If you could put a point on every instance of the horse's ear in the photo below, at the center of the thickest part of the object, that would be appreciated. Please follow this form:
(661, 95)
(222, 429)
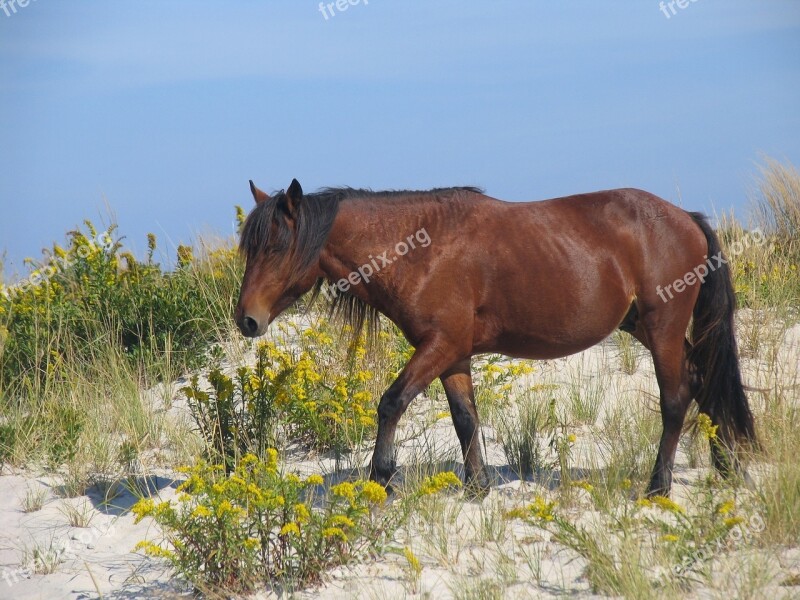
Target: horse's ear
(294, 196)
(258, 195)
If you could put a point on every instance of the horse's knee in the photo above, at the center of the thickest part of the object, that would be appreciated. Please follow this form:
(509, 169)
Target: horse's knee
(389, 408)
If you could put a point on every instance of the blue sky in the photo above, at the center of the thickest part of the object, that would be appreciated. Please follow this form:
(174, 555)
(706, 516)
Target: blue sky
(159, 112)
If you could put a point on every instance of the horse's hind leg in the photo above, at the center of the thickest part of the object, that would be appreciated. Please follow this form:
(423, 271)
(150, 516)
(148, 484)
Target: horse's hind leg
(457, 382)
(663, 331)
(722, 459)
(675, 396)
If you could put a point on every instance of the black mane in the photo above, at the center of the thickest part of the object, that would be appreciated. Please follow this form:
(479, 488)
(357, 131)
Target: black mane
(345, 193)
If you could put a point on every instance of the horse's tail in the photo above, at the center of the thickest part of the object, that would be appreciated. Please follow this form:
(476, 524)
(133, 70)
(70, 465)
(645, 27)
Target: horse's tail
(714, 351)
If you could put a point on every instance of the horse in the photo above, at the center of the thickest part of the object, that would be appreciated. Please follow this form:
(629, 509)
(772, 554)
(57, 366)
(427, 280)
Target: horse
(533, 280)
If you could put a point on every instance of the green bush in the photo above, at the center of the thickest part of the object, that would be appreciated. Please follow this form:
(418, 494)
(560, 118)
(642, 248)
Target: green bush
(258, 524)
(286, 395)
(91, 317)
(82, 299)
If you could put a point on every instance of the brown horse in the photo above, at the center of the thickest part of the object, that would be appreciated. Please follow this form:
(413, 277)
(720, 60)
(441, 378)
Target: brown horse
(531, 280)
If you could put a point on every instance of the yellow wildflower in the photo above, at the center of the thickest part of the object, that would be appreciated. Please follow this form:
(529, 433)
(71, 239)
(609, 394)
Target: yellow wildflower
(194, 484)
(143, 508)
(290, 528)
(224, 508)
(235, 480)
(333, 417)
(665, 503)
(670, 537)
(515, 513)
(726, 507)
(162, 509)
(374, 492)
(542, 509)
(315, 480)
(334, 532)
(201, 512)
(362, 397)
(344, 490)
(341, 521)
(583, 485)
(272, 460)
(255, 491)
(733, 521)
(302, 514)
(707, 428)
(436, 483)
(151, 549)
(248, 459)
(521, 369)
(251, 544)
(413, 561)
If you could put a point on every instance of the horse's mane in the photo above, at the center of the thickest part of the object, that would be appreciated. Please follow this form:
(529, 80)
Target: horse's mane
(265, 231)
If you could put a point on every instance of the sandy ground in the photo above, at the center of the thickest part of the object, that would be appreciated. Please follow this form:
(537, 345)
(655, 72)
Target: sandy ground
(97, 561)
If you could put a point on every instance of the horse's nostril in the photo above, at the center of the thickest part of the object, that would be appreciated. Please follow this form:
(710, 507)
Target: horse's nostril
(249, 326)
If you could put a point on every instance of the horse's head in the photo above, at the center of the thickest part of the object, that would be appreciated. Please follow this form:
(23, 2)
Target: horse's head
(281, 259)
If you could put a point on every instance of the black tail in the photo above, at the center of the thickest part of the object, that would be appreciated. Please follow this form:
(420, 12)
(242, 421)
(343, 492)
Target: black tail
(714, 352)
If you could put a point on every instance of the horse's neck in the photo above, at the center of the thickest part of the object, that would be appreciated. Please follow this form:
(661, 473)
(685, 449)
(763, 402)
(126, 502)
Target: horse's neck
(362, 240)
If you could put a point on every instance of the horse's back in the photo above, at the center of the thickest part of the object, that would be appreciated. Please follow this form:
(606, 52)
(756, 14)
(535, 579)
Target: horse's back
(530, 272)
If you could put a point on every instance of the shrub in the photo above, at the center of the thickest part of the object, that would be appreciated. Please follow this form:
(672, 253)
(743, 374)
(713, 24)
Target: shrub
(318, 395)
(89, 295)
(642, 547)
(258, 524)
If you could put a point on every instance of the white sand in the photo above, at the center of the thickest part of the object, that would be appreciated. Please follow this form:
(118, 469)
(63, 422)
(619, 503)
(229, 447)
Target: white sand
(99, 558)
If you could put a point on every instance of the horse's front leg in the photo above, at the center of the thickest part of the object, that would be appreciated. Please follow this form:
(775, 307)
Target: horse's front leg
(457, 382)
(429, 361)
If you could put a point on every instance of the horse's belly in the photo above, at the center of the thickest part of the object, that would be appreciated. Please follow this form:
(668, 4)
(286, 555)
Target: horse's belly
(534, 347)
(545, 332)
(539, 347)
